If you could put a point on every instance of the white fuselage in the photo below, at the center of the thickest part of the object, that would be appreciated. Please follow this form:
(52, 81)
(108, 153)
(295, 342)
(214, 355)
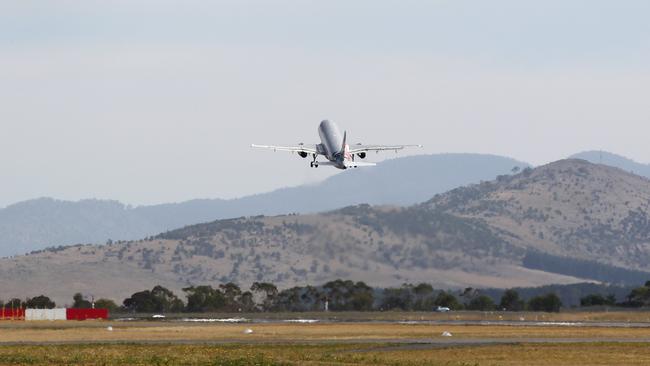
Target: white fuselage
(332, 144)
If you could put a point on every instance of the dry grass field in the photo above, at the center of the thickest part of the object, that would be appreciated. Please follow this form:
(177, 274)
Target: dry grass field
(348, 343)
(273, 332)
(327, 354)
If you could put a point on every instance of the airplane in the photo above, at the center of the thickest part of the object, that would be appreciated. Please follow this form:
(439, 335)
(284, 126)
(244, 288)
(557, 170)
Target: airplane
(335, 149)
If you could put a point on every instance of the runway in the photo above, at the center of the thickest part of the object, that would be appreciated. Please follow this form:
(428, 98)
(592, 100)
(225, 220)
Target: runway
(311, 331)
(298, 341)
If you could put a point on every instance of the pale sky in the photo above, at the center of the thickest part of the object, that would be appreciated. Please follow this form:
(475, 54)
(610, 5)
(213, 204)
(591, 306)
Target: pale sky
(158, 101)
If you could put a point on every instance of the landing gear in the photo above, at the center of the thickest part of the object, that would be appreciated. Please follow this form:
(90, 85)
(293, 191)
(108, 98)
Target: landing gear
(314, 164)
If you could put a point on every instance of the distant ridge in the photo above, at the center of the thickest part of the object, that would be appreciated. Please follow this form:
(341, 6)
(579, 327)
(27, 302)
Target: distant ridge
(39, 223)
(45, 222)
(617, 161)
(586, 222)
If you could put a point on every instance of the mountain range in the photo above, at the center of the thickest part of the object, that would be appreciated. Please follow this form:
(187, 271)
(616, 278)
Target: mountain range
(566, 222)
(40, 223)
(45, 222)
(618, 161)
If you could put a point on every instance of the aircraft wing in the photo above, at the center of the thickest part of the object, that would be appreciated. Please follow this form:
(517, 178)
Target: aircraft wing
(355, 149)
(310, 149)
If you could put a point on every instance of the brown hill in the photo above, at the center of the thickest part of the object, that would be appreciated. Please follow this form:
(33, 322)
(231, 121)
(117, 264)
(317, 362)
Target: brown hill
(571, 207)
(471, 236)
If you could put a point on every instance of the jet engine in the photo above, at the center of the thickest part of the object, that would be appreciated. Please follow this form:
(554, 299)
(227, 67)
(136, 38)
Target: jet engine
(362, 155)
(302, 154)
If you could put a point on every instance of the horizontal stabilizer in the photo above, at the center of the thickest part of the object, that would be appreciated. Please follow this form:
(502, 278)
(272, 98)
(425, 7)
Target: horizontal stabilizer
(310, 149)
(355, 164)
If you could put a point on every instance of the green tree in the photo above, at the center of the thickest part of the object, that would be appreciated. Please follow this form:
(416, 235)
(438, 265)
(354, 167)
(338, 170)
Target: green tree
(348, 295)
(611, 299)
(268, 291)
(598, 300)
(481, 303)
(232, 294)
(338, 293)
(639, 296)
(469, 293)
(40, 302)
(79, 302)
(107, 304)
(362, 297)
(166, 301)
(247, 302)
(549, 303)
(15, 303)
(313, 298)
(158, 300)
(142, 302)
(204, 298)
(423, 294)
(289, 300)
(446, 299)
(510, 301)
(398, 298)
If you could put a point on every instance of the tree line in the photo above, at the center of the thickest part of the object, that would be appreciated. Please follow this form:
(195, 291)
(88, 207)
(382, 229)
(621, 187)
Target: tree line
(44, 302)
(583, 268)
(338, 295)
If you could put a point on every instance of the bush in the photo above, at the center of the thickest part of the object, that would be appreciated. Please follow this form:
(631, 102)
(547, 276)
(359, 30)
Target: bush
(510, 301)
(549, 303)
(597, 300)
(481, 303)
(40, 302)
(448, 300)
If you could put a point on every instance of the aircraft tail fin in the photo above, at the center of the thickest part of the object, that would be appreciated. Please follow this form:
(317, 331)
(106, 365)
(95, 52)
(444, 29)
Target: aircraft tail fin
(345, 149)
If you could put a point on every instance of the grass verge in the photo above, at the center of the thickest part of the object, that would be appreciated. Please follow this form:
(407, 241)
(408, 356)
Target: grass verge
(333, 354)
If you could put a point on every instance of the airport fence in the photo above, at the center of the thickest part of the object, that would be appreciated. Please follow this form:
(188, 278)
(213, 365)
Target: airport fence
(52, 314)
(12, 313)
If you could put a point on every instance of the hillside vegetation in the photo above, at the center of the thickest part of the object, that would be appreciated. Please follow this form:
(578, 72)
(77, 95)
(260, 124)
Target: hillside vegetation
(571, 208)
(45, 222)
(477, 236)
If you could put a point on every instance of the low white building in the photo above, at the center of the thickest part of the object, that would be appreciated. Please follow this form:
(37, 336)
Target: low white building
(46, 314)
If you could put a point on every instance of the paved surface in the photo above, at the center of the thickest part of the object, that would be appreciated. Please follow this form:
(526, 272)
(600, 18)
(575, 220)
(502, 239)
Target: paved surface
(202, 322)
(533, 323)
(383, 343)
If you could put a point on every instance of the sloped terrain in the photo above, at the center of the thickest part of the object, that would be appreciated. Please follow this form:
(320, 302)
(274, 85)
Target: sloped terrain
(472, 236)
(36, 224)
(383, 246)
(571, 207)
(614, 160)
